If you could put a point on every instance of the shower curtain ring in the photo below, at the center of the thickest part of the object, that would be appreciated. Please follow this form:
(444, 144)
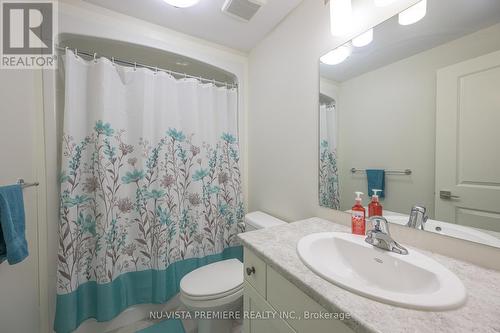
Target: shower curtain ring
(95, 57)
(135, 66)
(76, 52)
(113, 60)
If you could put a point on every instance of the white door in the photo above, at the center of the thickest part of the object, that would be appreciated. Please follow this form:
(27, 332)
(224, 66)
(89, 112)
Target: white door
(19, 292)
(468, 143)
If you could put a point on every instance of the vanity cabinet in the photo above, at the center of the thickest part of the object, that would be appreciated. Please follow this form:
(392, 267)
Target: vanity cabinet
(273, 304)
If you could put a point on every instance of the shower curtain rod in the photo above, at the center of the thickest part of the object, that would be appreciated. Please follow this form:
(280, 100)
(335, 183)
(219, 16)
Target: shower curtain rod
(137, 64)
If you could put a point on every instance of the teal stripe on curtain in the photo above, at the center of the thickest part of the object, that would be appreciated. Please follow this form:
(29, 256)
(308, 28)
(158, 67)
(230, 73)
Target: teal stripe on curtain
(166, 326)
(105, 301)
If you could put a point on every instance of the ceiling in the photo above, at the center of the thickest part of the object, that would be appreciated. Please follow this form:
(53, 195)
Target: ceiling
(205, 20)
(445, 21)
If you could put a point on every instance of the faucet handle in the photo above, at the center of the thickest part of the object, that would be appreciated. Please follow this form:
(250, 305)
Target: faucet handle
(380, 236)
(380, 224)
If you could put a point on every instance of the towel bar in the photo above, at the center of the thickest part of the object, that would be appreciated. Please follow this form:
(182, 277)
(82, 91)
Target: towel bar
(390, 172)
(25, 185)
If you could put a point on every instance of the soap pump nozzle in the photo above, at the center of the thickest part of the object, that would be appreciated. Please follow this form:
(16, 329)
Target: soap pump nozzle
(375, 194)
(358, 196)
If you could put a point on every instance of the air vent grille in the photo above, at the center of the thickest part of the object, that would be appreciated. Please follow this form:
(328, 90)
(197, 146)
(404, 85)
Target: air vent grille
(242, 9)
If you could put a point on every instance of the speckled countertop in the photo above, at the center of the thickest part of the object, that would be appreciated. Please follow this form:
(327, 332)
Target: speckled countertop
(481, 313)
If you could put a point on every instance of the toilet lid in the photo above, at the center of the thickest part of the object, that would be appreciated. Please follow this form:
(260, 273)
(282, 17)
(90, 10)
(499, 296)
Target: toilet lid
(213, 279)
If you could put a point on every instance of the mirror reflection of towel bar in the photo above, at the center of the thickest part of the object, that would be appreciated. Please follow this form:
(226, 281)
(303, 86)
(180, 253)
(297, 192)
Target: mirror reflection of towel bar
(390, 172)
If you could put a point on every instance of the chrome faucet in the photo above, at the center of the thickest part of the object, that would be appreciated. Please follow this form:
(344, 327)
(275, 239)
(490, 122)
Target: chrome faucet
(417, 218)
(380, 236)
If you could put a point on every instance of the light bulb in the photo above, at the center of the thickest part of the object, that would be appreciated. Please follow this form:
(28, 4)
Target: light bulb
(182, 3)
(336, 56)
(383, 3)
(413, 14)
(340, 17)
(363, 39)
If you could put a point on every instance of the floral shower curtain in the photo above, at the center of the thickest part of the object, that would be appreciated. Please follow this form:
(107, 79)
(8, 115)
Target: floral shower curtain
(329, 193)
(150, 186)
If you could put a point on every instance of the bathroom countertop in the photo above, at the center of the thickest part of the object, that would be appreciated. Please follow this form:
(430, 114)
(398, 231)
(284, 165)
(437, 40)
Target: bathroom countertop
(481, 313)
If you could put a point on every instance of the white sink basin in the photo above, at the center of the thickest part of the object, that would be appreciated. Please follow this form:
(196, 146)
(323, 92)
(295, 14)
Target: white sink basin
(452, 230)
(413, 281)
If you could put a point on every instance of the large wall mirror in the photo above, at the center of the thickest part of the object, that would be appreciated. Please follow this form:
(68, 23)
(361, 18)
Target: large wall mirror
(414, 107)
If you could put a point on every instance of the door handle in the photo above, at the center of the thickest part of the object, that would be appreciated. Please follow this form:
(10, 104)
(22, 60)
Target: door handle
(446, 195)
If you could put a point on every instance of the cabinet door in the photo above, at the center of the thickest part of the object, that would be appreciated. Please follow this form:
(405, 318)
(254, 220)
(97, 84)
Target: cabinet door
(255, 305)
(284, 296)
(255, 272)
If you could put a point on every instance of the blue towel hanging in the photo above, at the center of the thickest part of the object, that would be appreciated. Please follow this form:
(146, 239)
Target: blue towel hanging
(13, 245)
(376, 181)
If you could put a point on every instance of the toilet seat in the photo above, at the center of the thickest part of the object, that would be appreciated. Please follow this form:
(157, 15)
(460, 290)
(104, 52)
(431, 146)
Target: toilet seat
(223, 279)
(214, 303)
(214, 296)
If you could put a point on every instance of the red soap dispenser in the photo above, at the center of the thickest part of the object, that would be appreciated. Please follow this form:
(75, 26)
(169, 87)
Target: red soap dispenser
(358, 215)
(375, 208)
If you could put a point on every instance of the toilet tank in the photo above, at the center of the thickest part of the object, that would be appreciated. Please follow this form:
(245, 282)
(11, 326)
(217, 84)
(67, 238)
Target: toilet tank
(260, 220)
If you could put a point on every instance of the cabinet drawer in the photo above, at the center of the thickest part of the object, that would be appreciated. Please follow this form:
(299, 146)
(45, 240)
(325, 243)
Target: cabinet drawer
(285, 296)
(255, 272)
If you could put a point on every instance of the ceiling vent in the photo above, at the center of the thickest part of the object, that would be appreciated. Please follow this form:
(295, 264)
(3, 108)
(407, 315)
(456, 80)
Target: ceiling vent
(242, 9)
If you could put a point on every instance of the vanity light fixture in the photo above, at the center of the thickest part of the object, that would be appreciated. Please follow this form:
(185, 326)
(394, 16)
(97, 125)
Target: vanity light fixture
(335, 57)
(383, 3)
(364, 39)
(182, 3)
(413, 14)
(340, 17)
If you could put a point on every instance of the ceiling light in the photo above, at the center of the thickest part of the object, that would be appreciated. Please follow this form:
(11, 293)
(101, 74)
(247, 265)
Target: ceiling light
(383, 3)
(336, 56)
(340, 17)
(363, 39)
(182, 3)
(413, 14)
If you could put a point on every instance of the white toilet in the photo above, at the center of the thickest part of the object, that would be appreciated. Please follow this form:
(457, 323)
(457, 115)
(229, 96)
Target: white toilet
(218, 287)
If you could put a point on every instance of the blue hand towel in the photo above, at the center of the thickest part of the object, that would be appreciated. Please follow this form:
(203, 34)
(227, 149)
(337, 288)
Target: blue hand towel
(13, 245)
(376, 180)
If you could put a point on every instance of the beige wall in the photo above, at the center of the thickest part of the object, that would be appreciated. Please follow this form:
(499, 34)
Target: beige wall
(329, 88)
(387, 120)
(20, 108)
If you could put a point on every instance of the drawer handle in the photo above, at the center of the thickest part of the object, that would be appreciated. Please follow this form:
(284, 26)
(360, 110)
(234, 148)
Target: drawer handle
(250, 271)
